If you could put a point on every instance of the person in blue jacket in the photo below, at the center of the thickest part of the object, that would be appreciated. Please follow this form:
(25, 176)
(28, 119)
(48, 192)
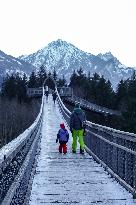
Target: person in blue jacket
(62, 137)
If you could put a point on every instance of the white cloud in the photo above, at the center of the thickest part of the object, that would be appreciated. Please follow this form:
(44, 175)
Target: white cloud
(92, 25)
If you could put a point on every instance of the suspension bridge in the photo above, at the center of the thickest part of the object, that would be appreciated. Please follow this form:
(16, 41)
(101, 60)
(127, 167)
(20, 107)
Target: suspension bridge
(33, 172)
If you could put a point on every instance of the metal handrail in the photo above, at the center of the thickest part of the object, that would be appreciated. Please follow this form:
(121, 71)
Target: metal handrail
(16, 161)
(93, 106)
(114, 149)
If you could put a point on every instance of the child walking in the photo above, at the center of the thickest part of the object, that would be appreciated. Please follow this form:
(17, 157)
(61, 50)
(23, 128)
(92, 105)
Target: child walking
(62, 137)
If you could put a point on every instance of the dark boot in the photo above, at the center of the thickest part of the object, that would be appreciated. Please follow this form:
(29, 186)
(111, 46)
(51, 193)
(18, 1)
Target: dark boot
(81, 151)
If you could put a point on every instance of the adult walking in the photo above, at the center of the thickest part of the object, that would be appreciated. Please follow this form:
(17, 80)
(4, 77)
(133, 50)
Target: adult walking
(54, 95)
(77, 122)
(47, 94)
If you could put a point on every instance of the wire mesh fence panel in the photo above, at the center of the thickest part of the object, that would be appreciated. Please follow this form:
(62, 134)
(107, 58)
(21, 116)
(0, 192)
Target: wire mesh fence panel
(116, 149)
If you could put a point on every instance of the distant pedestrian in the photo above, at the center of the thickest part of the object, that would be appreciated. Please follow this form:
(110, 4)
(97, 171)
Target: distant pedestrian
(47, 94)
(77, 125)
(54, 95)
(62, 137)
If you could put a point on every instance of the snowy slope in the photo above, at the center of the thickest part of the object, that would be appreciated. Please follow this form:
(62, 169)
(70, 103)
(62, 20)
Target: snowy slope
(9, 64)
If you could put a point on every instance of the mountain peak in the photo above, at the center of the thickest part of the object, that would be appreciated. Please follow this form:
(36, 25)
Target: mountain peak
(58, 42)
(106, 56)
(65, 58)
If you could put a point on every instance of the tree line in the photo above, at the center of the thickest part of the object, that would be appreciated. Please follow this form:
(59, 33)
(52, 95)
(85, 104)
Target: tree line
(15, 86)
(97, 89)
(16, 105)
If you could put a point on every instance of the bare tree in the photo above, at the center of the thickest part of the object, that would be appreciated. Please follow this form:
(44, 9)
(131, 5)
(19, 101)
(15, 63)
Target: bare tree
(16, 117)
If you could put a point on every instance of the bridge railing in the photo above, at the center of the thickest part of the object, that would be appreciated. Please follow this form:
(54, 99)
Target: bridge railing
(114, 149)
(93, 106)
(16, 162)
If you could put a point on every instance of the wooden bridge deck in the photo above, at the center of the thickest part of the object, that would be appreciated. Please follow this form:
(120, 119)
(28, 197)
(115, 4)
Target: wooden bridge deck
(70, 178)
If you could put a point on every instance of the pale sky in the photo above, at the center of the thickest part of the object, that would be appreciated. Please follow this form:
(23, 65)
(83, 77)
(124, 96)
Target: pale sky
(94, 26)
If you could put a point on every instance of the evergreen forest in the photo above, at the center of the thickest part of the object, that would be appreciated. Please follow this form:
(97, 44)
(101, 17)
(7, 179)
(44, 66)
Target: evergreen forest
(15, 104)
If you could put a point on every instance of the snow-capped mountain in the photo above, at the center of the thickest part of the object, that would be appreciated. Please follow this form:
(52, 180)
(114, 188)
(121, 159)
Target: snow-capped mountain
(65, 58)
(10, 64)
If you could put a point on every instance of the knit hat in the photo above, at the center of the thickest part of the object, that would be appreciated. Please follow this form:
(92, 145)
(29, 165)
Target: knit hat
(77, 105)
(62, 126)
